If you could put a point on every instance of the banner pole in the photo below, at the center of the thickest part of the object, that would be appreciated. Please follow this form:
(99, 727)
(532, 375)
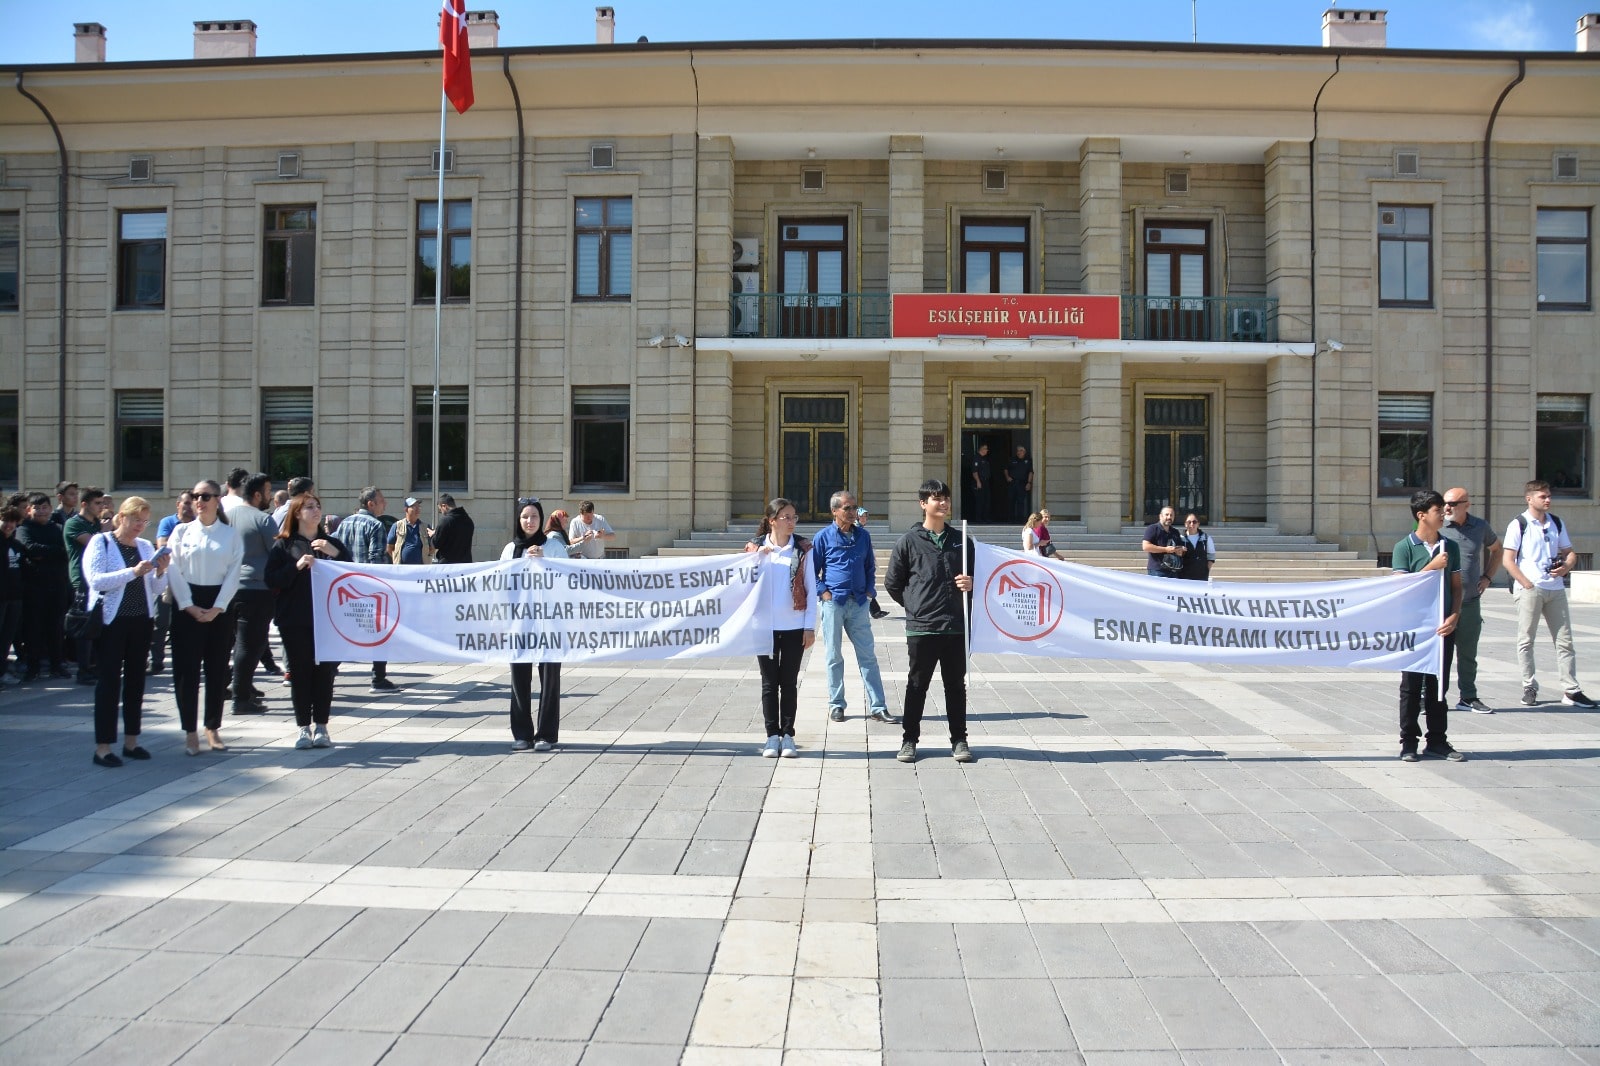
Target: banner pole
(438, 297)
(966, 598)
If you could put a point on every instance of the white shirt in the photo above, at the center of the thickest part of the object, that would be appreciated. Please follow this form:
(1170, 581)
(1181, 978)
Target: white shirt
(205, 555)
(231, 503)
(1541, 548)
(109, 577)
(777, 596)
(589, 549)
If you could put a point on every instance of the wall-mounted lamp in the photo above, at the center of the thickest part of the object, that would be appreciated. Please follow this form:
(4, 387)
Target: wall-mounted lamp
(811, 153)
(810, 357)
(1332, 345)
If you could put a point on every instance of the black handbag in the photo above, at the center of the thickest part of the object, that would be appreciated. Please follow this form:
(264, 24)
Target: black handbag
(85, 623)
(1172, 564)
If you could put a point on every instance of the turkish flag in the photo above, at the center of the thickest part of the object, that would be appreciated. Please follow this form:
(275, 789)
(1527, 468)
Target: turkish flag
(457, 59)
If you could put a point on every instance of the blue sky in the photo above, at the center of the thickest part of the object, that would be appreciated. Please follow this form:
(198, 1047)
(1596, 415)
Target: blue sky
(163, 29)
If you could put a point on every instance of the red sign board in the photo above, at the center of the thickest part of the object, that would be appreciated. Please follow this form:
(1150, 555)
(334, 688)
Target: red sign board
(1006, 315)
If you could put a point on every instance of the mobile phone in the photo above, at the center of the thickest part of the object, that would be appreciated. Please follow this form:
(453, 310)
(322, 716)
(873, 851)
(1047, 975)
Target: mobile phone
(161, 553)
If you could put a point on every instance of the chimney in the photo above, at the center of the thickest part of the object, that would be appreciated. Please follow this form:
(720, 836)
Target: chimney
(1588, 34)
(483, 29)
(605, 25)
(90, 39)
(234, 39)
(1344, 27)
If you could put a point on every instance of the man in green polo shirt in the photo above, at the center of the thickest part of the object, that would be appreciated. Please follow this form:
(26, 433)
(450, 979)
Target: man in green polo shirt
(1429, 549)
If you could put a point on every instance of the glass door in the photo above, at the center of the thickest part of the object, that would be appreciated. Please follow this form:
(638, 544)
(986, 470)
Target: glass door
(813, 442)
(1177, 462)
(812, 277)
(1177, 273)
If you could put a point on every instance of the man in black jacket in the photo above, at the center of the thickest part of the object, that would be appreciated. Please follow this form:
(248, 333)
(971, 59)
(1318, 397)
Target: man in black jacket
(452, 538)
(928, 577)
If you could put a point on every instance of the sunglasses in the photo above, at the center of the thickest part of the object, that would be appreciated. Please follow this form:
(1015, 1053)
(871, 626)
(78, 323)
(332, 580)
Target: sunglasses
(524, 501)
(205, 497)
(1455, 503)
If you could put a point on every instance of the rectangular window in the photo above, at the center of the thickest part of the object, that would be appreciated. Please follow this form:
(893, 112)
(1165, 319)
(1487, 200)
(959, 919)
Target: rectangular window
(1405, 442)
(9, 439)
(141, 437)
(286, 432)
(452, 436)
(10, 258)
(1405, 256)
(142, 260)
(1562, 443)
(1562, 239)
(289, 255)
(458, 245)
(600, 437)
(603, 259)
(994, 255)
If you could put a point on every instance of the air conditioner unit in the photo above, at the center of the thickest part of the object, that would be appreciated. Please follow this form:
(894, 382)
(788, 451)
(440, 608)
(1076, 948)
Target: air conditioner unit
(1247, 324)
(746, 253)
(745, 311)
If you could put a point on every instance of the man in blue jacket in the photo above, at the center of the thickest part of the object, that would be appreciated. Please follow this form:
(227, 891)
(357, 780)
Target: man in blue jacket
(847, 582)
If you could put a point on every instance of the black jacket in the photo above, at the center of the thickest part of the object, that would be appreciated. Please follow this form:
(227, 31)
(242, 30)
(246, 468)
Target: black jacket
(922, 579)
(44, 555)
(293, 585)
(452, 537)
(10, 576)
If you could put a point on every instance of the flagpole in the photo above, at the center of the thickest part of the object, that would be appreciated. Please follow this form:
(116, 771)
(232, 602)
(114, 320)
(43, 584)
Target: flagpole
(438, 297)
(966, 599)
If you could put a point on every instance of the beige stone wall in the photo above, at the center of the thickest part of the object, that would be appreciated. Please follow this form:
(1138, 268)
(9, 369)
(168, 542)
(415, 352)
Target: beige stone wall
(1232, 198)
(1043, 192)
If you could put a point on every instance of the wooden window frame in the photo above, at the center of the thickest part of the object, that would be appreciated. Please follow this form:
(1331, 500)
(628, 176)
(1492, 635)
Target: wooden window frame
(1539, 243)
(606, 234)
(455, 424)
(995, 248)
(423, 292)
(1408, 428)
(607, 396)
(129, 270)
(299, 251)
(1405, 240)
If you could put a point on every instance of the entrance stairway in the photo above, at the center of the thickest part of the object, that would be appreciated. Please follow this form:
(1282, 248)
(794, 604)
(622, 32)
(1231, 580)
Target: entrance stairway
(1246, 551)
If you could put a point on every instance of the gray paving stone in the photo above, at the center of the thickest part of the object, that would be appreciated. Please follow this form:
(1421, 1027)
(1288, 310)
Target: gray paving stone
(1075, 950)
(998, 951)
(57, 1040)
(563, 1005)
(515, 1052)
(1380, 1013)
(918, 949)
(77, 924)
(1235, 949)
(1200, 1013)
(1088, 860)
(602, 1054)
(894, 1057)
(1391, 948)
(31, 912)
(217, 993)
(374, 934)
(416, 1049)
(447, 937)
(1569, 1018)
(67, 978)
(1032, 861)
(652, 1008)
(1019, 1015)
(241, 1045)
(302, 996)
(714, 858)
(300, 931)
(230, 926)
(329, 1047)
(1111, 1014)
(921, 1014)
(522, 941)
(677, 945)
(599, 943)
(148, 1043)
(1152, 950)
(475, 1002)
(1292, 1013)
(904, 860)
(1473, 1014)
(1314, 948)
(1543, 943)
(1131, 1058)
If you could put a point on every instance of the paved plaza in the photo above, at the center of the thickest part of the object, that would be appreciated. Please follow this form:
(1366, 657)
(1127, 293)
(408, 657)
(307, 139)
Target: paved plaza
(1148, 864)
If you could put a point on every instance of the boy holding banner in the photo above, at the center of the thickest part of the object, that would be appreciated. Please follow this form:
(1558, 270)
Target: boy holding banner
(930, 570)
(1429, 549)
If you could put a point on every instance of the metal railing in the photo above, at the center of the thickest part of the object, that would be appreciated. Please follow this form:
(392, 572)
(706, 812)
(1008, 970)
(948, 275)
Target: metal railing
(809, 315)
(1214, 319)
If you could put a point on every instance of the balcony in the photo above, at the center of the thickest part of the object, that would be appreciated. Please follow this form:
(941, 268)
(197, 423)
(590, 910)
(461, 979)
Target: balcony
(809, 316)
(1217, 319)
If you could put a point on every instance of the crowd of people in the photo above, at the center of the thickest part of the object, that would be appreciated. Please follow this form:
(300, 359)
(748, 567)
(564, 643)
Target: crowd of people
(81, 582)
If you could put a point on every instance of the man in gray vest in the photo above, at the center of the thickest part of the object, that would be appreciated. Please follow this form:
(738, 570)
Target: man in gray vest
(1480, 558)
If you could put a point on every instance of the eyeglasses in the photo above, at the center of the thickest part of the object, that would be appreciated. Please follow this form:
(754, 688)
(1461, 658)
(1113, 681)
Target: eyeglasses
(785, 518)
(205, 497)
(1191, 521)
(524, 501)
(1456, 503)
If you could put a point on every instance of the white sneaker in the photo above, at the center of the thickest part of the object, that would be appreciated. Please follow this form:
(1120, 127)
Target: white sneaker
(304, 741)
(773, 748)
(789, 750)
(542, 745)
(520, 745)
(320, 738)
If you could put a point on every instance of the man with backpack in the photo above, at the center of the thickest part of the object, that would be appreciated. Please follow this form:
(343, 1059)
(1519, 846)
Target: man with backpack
(1538, 555)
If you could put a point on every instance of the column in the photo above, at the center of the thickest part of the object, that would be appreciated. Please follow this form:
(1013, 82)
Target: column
(1288, 265)
(713, 236)
(905, 214)
(1289, 472)
(713, 440)
(1100, 454)
(905, 440)
(1100, 215)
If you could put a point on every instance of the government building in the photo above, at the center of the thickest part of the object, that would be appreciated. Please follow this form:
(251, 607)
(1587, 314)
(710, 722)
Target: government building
(1268, 284)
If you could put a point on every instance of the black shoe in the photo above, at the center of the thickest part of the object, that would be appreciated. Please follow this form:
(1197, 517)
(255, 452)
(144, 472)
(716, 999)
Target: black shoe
(383, 684)
(908, 752)
(60, 670)
(88, 679)
(837, 714)
(1408, 755)
(30, 674)
(135, 753)
(960, 752)
(1443, 751)
(1576, 698)
(158, 666)
(249, 707)
(885, 717)
(879, 612)
(109, 759)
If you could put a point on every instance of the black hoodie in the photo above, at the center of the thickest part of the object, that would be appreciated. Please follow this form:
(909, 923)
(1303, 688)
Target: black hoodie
(922, 579)
(452, 537)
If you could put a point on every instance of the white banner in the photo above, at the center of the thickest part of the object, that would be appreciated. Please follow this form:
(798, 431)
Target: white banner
(1031, 605)
(539, 610)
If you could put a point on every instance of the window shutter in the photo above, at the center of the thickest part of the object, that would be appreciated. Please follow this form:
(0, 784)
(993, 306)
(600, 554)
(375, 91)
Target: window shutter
(1405, 407)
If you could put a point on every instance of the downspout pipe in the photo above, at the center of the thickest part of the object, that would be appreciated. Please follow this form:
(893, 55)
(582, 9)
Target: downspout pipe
(61, 283)
(516, 284)
(1316, 335)
(1488, 287)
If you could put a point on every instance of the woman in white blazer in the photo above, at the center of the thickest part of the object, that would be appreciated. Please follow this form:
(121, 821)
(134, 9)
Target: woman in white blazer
(206, 556)
(126, 577)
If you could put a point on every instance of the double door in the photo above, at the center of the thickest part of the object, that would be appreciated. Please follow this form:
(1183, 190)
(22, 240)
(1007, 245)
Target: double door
(812, 278)
(1177, 271)
(814, 450)
(1177, 456)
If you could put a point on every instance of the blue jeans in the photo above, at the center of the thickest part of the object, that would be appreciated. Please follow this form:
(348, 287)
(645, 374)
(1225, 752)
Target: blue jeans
(851, 617)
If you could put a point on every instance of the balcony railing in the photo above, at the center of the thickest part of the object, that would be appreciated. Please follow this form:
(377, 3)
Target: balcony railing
(1216, 319)
(809, 316)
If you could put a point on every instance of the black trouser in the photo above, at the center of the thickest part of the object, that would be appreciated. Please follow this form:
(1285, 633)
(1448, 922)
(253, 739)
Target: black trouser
(523, 726)
(158, 633)
(253, 609)
(1019, 502)
(310, 682)
(980, 503)
(197, 647)
(780, 675)
(948, 651)
(379, 670)
(124, 652)
(1422, 695)
(46, 610)
(10, 628)
(82, 647)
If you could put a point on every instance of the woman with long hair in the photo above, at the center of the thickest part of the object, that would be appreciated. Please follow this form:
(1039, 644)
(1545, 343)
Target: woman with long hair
(1030, 542)
(789, 601)
(206, 556)
(556, 543)
(294, 552)
(126, 576)
(529, 538)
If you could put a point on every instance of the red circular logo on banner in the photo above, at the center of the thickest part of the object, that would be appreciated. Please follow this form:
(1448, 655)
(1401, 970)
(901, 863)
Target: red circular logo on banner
(364, 610)
(1024, 600)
